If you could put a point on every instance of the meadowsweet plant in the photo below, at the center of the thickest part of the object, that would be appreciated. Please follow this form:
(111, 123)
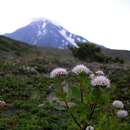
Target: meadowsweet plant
(119, 109)
(82, 72)
(92, 76)
(90, 95)
(89, 128)
(118, 104)
(58, 72)
(122, 113)
(78, 69)
(100, 81)
(2, 104)
(99, 73)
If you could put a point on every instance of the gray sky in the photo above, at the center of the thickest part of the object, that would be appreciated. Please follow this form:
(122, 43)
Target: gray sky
(106, 22)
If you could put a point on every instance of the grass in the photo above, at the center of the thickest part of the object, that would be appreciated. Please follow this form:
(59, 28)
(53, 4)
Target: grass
(26, 93)
(29, 109)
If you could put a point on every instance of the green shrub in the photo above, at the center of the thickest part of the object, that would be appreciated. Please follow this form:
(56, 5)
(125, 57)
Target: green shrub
(91, 52)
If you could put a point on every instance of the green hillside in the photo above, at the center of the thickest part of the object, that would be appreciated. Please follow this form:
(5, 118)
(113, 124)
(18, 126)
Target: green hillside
(10, 48)
(123, 54)
(25, 85)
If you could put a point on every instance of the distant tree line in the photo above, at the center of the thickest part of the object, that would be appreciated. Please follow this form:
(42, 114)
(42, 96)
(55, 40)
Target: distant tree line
(91, 52)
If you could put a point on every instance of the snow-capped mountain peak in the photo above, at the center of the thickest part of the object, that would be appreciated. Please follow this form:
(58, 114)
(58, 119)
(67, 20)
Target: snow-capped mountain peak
(43, 32)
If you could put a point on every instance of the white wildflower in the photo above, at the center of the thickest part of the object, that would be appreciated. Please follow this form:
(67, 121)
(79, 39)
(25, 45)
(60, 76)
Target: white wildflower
(90, 128)
(81, 68)
(2, 103)
(92, 76)
(122, 114)
(118, 104)
(100, 81)
(99, 73)
(58, 72)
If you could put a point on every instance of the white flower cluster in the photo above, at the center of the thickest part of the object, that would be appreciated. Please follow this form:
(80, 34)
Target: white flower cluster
(100, 81)
(77, 70)
(99, 73)
(96, 80)
(122, 114)
(92, 76)
(81, 69)
(90, 128)
(58, 72)
(2, 104)
(118, 104)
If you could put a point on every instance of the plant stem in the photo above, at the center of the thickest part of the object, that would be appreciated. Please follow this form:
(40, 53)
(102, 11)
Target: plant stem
(90, 116)
(81, 92)
(67, 108)
(95, 104)
(93, 110)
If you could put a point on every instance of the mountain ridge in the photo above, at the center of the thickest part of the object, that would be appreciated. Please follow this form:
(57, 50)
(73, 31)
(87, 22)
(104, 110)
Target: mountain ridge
(45, 33)
(13, 48)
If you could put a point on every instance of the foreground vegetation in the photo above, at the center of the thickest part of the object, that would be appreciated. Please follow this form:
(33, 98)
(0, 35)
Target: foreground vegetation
(29, 107)
(28, 90)
(91, 52)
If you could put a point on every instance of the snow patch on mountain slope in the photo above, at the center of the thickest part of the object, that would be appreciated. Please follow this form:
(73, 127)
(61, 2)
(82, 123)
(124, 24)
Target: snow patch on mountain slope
(44, 25)
(72, 41)
(42, 29)
(84, 40)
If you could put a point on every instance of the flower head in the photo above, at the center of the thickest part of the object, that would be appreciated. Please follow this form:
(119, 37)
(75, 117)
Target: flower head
(58, 72)
(99, 73)
(90, 128)
(100, 81)
(118, 104)
(81, 69)
(122, 114)
(2, 103)
(92, 76)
